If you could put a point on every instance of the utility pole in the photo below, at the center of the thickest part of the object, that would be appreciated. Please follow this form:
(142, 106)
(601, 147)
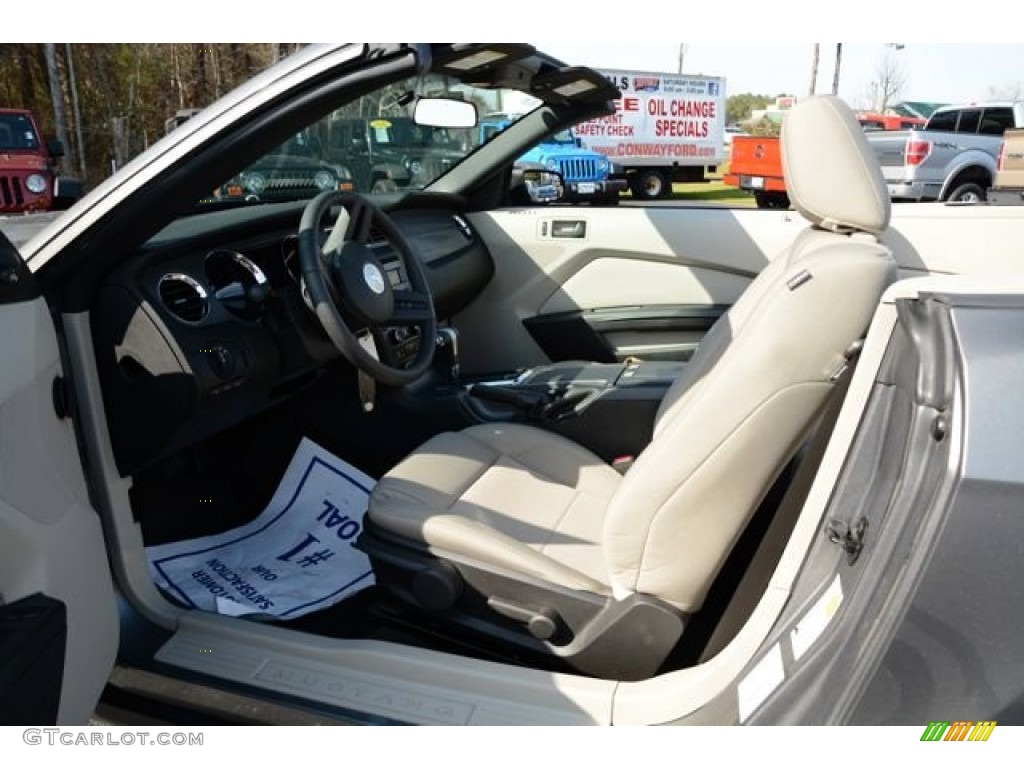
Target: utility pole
(76, 112)
(839, 63)
(55, 94)
(682, 55)
(814, 69)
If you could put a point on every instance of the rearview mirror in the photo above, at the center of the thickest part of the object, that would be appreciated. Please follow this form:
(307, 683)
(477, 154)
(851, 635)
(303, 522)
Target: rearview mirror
(445, 113)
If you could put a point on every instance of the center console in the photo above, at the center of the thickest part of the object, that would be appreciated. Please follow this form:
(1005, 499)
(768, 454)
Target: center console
(608, 408)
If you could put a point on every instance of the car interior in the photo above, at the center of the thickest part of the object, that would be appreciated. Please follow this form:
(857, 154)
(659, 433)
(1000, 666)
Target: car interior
(580, 466)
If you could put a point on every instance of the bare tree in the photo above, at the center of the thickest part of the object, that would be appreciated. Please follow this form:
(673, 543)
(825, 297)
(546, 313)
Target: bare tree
(1010, 92)
(201, 89)
(890, 77)
(839, 63)
(814, 69)
(176, 76)
(76, 111)
(281, 50)
(116, 97)
(57, 95)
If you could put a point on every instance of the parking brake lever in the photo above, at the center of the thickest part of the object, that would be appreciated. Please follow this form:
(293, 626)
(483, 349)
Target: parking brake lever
(528, 401)
(564, 406)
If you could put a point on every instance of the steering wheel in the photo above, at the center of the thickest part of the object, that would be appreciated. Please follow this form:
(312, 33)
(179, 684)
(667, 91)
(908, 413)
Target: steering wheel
(348, 287)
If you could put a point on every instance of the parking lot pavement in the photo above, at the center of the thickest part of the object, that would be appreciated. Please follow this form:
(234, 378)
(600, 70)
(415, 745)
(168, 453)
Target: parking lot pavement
(23, 227)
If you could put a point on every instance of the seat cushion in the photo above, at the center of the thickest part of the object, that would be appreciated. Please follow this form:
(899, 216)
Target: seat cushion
(508, 496)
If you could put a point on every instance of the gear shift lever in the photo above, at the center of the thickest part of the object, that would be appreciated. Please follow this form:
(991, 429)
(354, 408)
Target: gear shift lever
(448, 338)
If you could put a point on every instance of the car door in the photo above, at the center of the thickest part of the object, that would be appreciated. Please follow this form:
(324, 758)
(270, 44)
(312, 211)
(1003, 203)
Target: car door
(58, 617)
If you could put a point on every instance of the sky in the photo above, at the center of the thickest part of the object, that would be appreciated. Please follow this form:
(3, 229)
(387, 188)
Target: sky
(758, 46)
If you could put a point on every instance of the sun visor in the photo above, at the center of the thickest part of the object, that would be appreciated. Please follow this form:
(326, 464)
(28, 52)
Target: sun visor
(573, 85)
(469, 61)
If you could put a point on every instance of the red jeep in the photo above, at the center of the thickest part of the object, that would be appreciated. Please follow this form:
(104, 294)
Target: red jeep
(28, 168)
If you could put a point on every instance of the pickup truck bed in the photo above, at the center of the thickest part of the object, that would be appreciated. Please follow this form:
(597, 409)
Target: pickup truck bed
(1008, 187)
(936, 165)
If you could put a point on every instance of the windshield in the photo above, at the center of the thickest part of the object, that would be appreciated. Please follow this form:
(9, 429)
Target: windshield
(16, 132)
(369, 145)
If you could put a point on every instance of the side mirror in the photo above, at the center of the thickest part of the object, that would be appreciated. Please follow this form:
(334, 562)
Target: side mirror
(445, 113)
(55, 147)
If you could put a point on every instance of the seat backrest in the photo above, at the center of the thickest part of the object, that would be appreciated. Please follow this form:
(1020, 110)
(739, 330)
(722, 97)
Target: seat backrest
(752, 392)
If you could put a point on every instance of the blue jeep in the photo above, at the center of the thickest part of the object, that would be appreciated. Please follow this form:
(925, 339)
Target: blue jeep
(585, 174)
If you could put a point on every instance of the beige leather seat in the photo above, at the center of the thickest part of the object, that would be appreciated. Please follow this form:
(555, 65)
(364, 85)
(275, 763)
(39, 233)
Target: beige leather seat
(535, 511)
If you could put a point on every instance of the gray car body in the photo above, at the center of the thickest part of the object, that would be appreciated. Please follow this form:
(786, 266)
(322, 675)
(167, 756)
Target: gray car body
(930, 634)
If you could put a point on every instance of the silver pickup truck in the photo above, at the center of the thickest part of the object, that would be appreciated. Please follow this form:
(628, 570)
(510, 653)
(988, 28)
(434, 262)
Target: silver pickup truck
(952, 158)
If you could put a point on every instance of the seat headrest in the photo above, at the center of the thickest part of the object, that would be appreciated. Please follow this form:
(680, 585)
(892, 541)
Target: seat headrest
(832, 175)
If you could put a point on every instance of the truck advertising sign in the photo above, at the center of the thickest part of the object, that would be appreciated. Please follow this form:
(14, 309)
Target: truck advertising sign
(663, 118)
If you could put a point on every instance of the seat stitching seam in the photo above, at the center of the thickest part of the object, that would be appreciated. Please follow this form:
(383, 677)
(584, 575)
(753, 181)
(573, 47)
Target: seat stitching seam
(555, 528)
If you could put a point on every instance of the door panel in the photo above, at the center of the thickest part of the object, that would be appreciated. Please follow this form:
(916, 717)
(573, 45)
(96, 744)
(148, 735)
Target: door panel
(628, 261)
(51, 541)
(658, 332)
(610, 281)
(631, 281)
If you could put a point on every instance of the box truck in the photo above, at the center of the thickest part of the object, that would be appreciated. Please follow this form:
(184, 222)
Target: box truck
(666, 127)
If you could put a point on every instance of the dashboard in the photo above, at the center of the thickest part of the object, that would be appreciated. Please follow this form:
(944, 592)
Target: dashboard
(207, 325)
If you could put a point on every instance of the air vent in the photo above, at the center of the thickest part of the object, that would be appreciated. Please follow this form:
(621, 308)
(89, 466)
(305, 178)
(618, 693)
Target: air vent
(183, 297)
(237, 283)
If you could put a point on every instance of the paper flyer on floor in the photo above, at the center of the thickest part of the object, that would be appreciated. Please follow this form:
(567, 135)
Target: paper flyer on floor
(296, 557)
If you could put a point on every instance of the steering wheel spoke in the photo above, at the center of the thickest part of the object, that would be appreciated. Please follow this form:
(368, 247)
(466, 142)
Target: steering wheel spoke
(360, 221)
(385, 351)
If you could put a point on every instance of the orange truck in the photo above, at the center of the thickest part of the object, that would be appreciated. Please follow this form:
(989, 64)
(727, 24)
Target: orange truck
(756, 162)
(756, 166)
